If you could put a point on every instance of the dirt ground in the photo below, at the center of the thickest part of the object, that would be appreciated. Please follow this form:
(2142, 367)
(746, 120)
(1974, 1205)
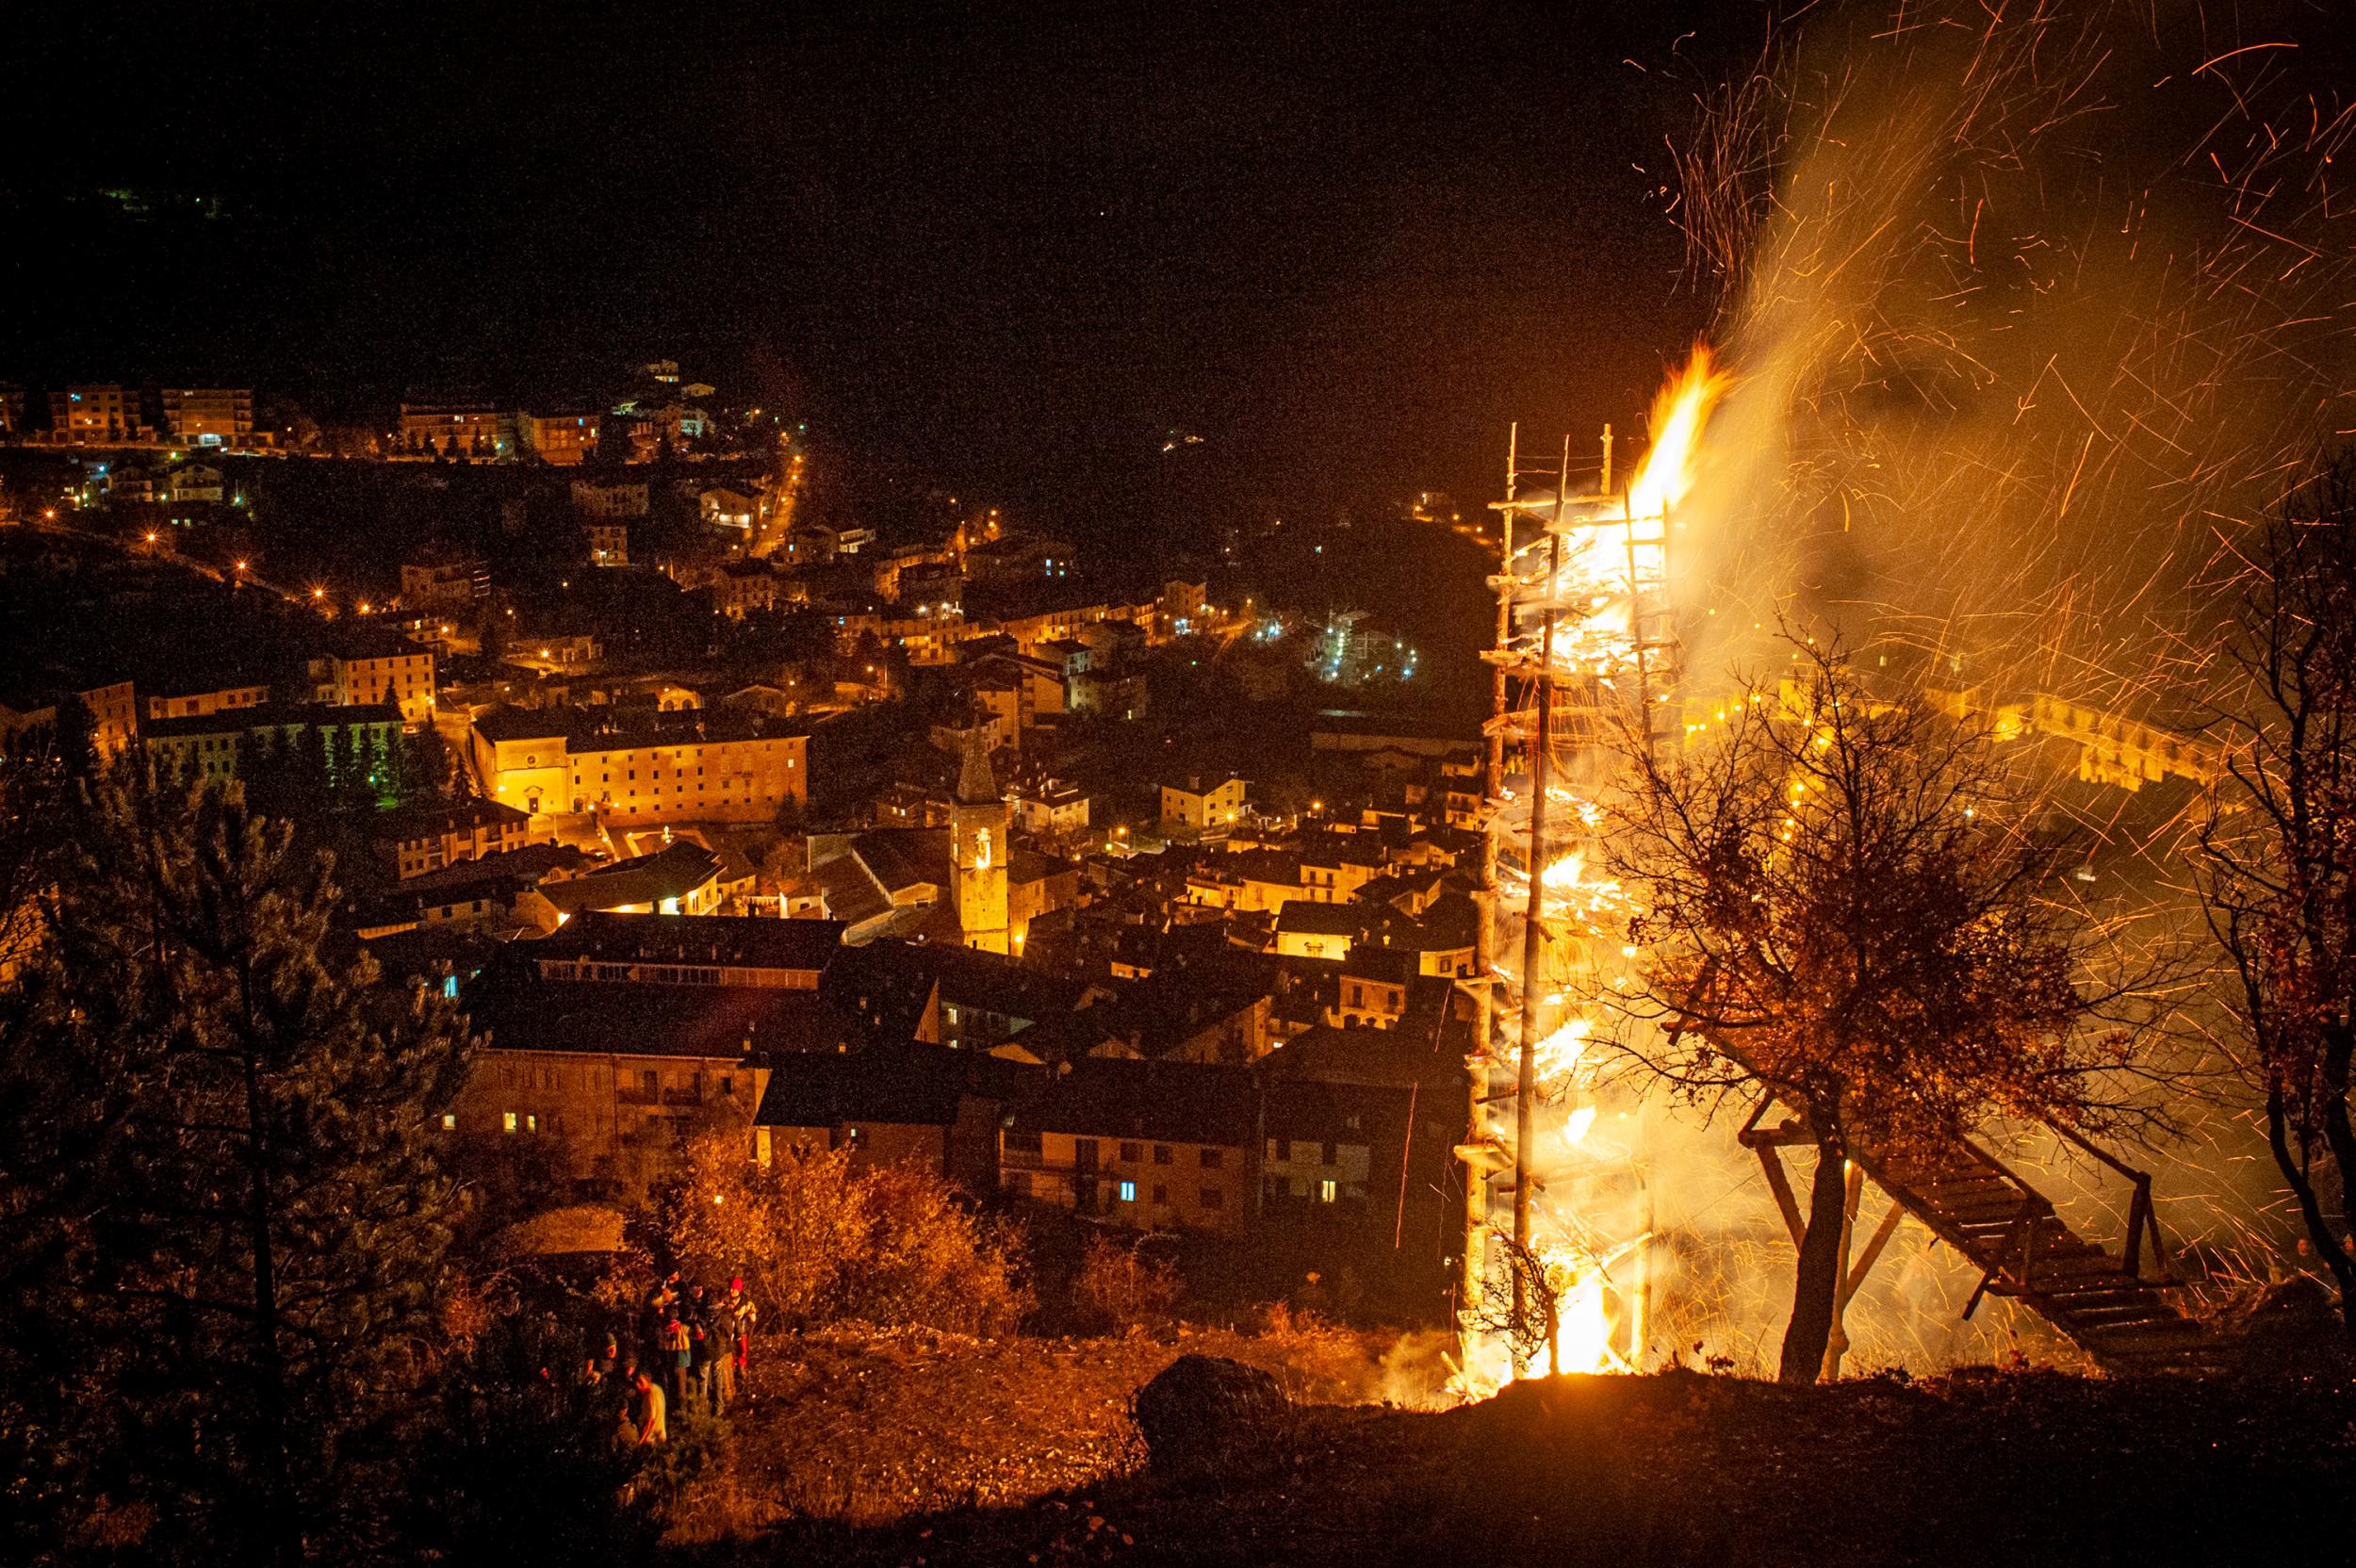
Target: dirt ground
(1021, 1453)
(871, 1428)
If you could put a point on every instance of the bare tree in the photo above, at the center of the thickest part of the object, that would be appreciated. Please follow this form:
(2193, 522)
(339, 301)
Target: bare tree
(1524, 1307)
(1843, 909)
(2280, 850)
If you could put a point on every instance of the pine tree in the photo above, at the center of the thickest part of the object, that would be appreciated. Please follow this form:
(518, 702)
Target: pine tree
(76, 744)
(72, 1058)
(246, 1276)
(353, 794)
(320, 766)
(425, 769)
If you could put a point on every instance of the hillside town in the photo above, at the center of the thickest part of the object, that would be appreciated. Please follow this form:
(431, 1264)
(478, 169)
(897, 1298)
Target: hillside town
(704, 807)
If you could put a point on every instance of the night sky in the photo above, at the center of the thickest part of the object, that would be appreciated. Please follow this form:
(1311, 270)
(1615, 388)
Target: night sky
(1344, 244)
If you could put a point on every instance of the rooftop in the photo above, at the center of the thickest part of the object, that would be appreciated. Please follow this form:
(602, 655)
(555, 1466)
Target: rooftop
(1167, 1102)
(350, 640)
(907, 1083)
(595, 732)
(1397, 1057)
(901, 857)
(524, 868)
(1383, 965)
(419, 822)
(851, 891)
(1319, 920)
(600, 726)
(525, 1013)
(737, 942)
(673, 873)
(269, 715)
(505, 723)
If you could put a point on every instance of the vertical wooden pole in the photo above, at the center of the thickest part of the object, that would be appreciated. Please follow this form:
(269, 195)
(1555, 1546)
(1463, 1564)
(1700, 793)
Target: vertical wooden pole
(1469, 1270)
(1525, 1074)
(1836, 1344)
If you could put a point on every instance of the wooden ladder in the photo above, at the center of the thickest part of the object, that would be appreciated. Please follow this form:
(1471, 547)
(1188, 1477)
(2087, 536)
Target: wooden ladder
(1997, 1218)
(2105, 1303)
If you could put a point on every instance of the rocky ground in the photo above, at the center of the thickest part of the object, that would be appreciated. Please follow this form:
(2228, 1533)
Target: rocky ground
(940, 1452)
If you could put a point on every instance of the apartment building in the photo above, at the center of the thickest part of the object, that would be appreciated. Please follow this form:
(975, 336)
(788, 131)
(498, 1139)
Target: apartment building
(709, 772)
(418, 842)
(377, 665)
(208, 747)
(471, 429)
(113, 709)
(694, 765)
(209, 415)
(1147, 1143)
(1202, 807)
(560, 440)
(98, 414)
(202, 699)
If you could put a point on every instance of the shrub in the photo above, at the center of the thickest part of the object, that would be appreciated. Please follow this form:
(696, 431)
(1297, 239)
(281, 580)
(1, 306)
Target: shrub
(818, 1242)
(1120, 1288)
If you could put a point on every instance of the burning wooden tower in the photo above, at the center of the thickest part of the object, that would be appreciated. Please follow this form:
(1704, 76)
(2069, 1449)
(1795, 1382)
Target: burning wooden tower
(1585, 655)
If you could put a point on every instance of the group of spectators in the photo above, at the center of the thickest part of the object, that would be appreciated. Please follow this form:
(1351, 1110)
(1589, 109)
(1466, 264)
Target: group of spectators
(692, 1346)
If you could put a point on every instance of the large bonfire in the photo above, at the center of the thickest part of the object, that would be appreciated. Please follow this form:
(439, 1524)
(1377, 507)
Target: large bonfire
(2029, 319)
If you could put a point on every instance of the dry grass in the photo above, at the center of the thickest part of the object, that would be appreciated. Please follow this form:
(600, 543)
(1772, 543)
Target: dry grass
(866, 1426)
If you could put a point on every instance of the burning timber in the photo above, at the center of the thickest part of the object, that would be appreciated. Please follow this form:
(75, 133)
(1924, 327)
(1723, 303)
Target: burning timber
(1558, 1267)
(1584, 642)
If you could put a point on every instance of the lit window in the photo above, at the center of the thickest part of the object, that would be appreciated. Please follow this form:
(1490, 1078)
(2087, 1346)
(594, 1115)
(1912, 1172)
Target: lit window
(1128, 1192)
(449, 1121)
(507, 1120)
(1325, 1192)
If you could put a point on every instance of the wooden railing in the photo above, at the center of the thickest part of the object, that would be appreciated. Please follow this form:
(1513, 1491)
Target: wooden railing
(2142, 1219)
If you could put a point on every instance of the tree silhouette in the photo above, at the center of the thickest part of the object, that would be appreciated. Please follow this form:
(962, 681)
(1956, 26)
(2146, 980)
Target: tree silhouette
(2280, 852)
(232, 1224)
(1846, 910)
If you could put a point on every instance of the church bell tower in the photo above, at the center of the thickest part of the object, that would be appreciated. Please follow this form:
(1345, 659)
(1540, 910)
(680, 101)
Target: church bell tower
(978, 822)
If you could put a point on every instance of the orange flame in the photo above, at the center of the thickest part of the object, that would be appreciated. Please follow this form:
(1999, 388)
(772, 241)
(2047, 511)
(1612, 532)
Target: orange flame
(1678, 414)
